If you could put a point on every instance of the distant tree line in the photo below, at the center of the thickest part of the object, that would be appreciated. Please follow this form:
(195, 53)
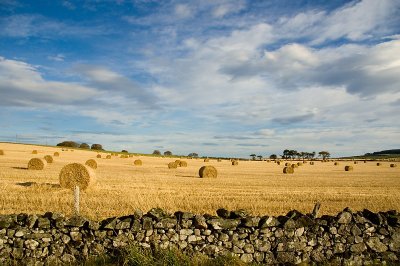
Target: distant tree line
(73, 144)
(158, 152)
(293, 154)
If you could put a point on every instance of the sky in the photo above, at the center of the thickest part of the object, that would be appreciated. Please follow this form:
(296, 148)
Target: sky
(216, 77)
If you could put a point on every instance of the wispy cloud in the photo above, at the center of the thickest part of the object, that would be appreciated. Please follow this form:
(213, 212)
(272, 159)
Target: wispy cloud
(293, 119)
(117, 86)
(22, 84)
(57, 57)
(33, 25)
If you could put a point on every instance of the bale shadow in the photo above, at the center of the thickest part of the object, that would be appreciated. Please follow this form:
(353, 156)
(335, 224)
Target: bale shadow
(30, 184)
(191, 176)
(26, 184)
(20, 168)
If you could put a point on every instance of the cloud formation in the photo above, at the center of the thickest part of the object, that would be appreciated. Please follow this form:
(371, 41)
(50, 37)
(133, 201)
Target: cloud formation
(210, 76)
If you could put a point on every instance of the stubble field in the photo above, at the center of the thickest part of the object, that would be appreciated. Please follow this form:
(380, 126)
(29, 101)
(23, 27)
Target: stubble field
(258, 187)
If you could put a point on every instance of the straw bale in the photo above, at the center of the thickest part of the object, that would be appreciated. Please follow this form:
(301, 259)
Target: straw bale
(48, 158)
(91, 163)
(76, 174)
(208, 172)
(37, 164)
(138, 162)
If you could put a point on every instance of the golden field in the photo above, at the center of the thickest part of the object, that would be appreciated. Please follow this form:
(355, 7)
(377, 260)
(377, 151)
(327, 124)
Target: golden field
(258, 187)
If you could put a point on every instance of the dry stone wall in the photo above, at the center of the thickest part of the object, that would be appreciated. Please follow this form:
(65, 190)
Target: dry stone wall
(353, 238)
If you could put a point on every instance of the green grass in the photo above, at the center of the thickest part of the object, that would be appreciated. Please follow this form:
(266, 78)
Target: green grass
(138, 256)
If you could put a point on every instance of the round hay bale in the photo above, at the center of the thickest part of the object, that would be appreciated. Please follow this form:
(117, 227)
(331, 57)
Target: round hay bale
(56, 154)
(76, 174)
(108, 156)
(1, 152)
(393, 165)
(278, 163)
(355, 162)
(172, 165)
(287, 164)
(299, 164)
(336, 163)
(235, 163)
(288, 170)
(219, 160)
(206, 160)
(91, 163)
(98, 156)
(48, 158)
(378, 164)
(294, 165)
(208, 172)
(34, 152)
(348, 168)
(138, 162)
(183, 164)
(311, 163)
(37, 164)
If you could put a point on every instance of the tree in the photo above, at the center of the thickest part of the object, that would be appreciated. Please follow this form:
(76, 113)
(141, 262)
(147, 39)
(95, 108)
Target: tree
(324, 154)
(167, 153)
(259, 157)
(193, 154)
(124, 151)
(285, 154)
(97, 147)
(293, 154)
(253, 156)
(156, 152)
(289, 154)
(273, 156)
(84, 146)
(68, 143)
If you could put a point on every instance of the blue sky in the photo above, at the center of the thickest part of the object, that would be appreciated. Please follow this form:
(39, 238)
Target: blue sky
(216, 77)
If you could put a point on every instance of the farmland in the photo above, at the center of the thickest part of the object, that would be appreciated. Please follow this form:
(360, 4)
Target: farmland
(259, 187)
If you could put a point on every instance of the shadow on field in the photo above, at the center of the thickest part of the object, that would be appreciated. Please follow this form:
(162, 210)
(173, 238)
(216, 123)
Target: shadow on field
(30, 184)
(20, 168)
(191, 176)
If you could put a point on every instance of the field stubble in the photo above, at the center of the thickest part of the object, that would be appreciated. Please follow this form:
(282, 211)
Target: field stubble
(258, 187)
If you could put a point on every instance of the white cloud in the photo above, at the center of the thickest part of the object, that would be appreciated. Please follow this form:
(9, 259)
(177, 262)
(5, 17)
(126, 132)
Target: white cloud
(266, 132)
(355, 21)
(57, 57)
(23, 84)
(114, 84)
(110, 117)
(22, 26)
(361, 69)
(183, 11)
(227, 8)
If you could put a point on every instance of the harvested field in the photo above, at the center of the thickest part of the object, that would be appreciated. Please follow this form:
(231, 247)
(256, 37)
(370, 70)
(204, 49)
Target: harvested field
(257, 186)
